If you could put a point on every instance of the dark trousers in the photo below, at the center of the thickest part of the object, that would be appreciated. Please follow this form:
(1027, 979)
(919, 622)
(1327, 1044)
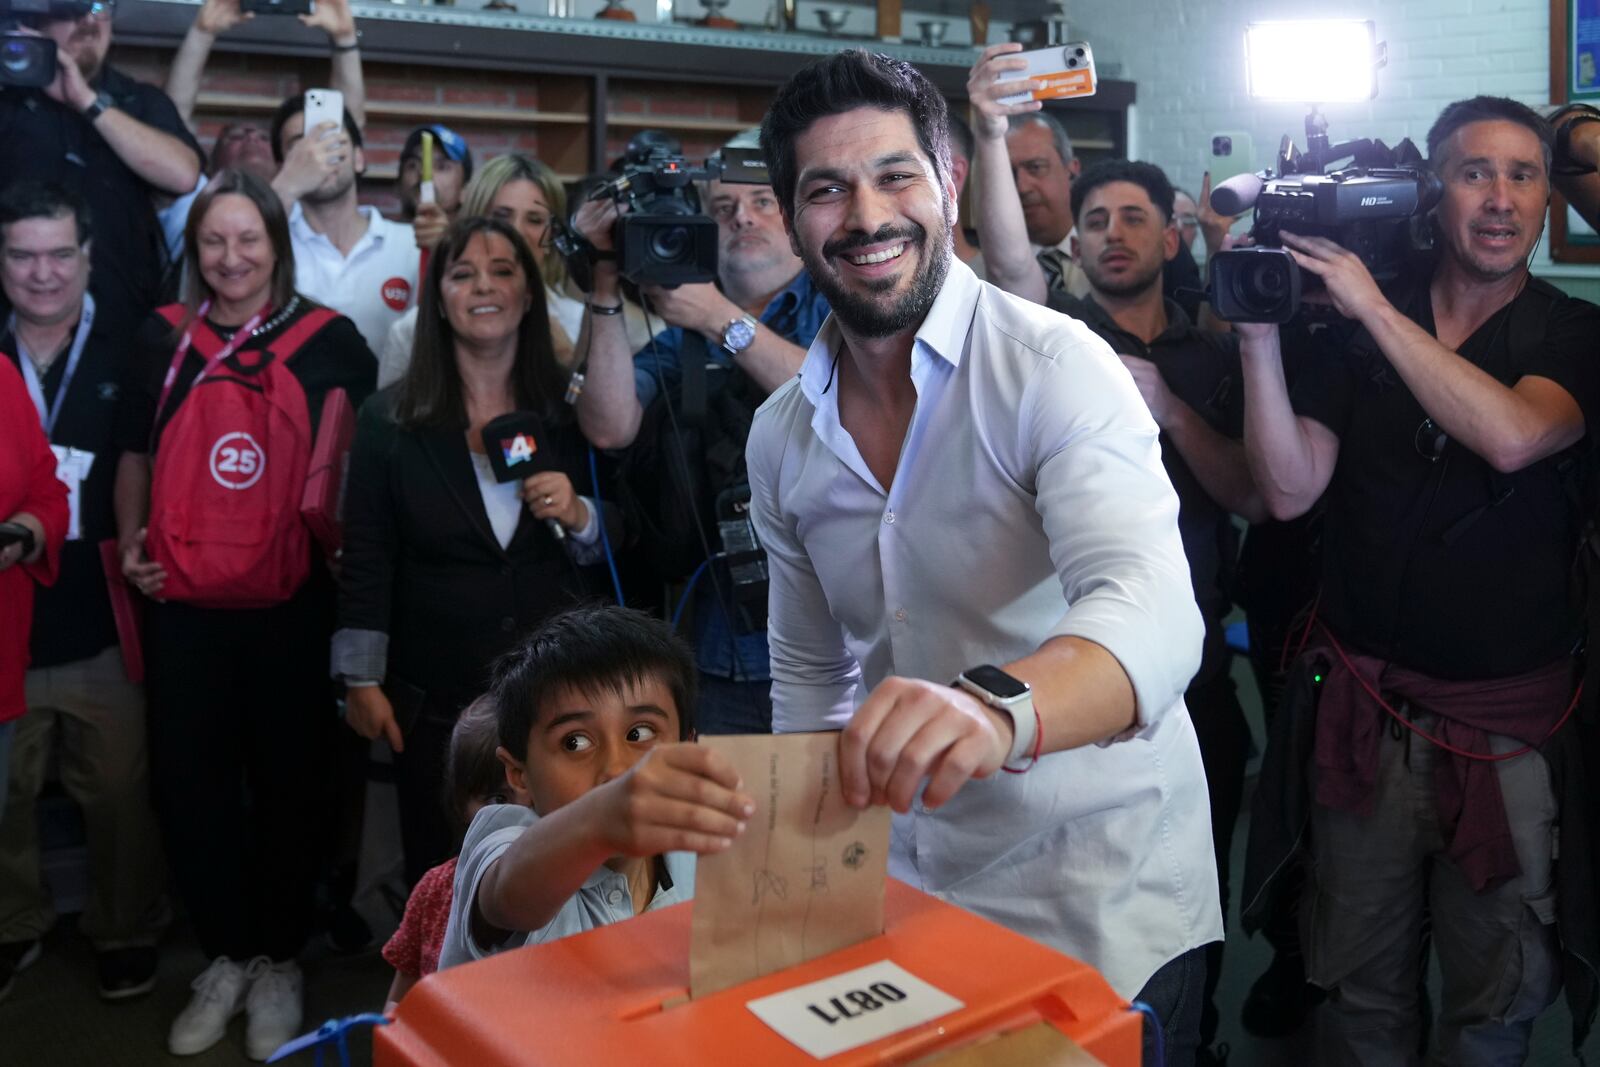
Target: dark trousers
(241, 718)
(1224, 737)
(1175, 993)
(427, 838)
(733, 707)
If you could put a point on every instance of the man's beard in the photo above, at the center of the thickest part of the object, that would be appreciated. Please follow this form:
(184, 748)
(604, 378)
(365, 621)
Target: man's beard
(1131, 286)
(331, 189)
(866, 317)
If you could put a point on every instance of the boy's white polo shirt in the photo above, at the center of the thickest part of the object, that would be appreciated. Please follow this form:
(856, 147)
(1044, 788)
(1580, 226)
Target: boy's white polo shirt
(374, 285)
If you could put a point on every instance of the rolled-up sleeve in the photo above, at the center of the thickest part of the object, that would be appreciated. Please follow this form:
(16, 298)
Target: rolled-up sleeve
(1111, 517)
(814, 675)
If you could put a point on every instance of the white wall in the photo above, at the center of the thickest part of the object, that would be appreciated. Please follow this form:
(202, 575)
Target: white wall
(1187, 58)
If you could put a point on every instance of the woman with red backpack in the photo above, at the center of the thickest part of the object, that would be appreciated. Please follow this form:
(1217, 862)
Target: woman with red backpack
(217, 444)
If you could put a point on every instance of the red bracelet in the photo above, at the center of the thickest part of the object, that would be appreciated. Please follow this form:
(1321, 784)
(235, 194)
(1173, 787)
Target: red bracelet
(1038, 745)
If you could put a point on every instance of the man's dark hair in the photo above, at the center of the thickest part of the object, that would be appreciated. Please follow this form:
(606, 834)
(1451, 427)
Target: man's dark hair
(961, 142)
(1488, 109)
(593, 648)
(844, 82)
(293, 106)
(1147, 176)
(43, 200)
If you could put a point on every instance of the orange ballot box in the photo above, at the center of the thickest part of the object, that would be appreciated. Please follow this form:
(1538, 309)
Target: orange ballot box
(938, 981)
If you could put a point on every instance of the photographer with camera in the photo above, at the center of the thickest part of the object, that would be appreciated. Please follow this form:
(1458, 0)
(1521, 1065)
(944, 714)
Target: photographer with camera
(754, 323)
(1447, 421)
(103, 136)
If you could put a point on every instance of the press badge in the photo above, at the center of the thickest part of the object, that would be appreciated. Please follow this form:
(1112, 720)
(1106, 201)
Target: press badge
(72, 469)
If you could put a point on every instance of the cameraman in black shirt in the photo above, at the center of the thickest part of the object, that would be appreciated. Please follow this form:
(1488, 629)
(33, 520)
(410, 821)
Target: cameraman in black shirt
(1449, 429)
(109, 139)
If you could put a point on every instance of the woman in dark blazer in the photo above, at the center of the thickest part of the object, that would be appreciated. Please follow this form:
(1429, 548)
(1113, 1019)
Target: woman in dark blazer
(443, 566)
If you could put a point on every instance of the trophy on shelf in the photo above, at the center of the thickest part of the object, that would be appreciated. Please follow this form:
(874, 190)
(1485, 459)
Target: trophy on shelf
(616, 12)
(714, 18)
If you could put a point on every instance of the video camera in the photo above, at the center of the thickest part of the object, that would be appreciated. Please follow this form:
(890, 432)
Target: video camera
(1376, 207)
(26, 61)
(663, 236)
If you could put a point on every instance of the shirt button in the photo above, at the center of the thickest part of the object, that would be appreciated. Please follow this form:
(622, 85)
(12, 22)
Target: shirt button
(614, 898)
(900, 616)
(889, 518)
(508, 624)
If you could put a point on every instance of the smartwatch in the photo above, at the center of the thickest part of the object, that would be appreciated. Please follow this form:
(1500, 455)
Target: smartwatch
(102, 102)
(1003, 692)
(738, 334)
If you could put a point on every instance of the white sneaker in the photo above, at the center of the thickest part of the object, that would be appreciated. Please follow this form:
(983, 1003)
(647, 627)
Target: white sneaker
(275, 1004)
(218, 997)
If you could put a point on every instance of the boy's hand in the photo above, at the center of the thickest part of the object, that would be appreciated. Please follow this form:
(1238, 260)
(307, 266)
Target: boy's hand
(678, 798)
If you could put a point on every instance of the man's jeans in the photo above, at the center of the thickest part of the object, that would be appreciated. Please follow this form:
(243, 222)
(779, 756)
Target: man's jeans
(1175, 993)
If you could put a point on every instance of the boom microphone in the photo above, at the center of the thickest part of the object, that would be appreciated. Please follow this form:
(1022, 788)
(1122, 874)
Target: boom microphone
(512, 445)
(1236, 195)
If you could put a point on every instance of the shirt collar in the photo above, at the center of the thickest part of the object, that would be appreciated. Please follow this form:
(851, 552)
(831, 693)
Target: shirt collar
(1178, 324)
(943, 332)
(301, 230)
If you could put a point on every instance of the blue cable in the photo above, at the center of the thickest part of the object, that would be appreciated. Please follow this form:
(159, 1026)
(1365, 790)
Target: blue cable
(1155, 1028)
(605, 538)
(683, 601)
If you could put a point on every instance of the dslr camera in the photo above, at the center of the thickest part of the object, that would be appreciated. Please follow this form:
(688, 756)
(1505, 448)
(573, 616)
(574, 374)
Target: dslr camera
(663, 237)
(1375, 207)
(26, 61)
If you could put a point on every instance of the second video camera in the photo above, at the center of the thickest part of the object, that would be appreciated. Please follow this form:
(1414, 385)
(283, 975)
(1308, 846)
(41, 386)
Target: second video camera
(1376, 208)
(27, 61)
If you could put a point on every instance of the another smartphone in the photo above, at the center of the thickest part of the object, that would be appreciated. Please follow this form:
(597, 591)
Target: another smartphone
(323, 105)
(1067, 71)
(1232, 153)
(12, 533)
(277, 7)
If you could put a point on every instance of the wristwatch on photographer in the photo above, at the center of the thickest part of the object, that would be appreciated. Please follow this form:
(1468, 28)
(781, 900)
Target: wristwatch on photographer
(1014, 697)
(102, 103)
(739, 334)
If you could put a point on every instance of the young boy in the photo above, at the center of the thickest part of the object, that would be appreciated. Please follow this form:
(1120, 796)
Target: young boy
(591, 709)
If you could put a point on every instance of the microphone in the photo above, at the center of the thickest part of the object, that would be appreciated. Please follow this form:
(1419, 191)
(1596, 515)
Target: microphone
(512, 445)
(1236, 195)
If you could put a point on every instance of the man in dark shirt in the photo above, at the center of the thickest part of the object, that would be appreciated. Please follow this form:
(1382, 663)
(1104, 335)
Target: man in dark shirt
(112, 141)
(79, 699)
(1449, 433)
(1191, 381)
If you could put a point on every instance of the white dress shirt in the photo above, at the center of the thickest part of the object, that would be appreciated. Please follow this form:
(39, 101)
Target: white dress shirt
(372, 286)
(1029, 503)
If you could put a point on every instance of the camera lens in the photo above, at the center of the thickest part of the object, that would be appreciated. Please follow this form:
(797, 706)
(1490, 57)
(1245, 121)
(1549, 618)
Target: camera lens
(669, 243)
(15, 55)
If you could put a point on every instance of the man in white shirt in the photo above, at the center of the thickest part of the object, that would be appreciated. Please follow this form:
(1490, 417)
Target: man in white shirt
(960, 478)
(346, 256)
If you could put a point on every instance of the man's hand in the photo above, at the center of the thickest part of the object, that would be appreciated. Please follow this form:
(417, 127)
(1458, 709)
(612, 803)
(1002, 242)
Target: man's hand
(141, 573)
(1213, 227)
(549, 495)
(989, 116)
(217, 17)
(311, 161)
(1157, 397)
(369, 713)
(597, 220)
(1348, 284)
(429, 225)
(700, 307)
(678, 798)
(69, 87)
(333, 17)
(910, 731)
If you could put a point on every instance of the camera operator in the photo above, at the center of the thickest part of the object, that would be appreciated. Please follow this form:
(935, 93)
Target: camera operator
(111, 140)
(1448, 425)
(756, 321)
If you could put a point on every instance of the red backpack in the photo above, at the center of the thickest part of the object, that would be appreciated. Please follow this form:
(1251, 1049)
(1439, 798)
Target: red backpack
(230, 474)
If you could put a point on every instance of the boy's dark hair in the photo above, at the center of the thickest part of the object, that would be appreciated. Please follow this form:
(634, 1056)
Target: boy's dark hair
(43, 200)
(844, 82)
(471, 769)
(293, 106)
(1147, 176)
(1488, 109)
(593, 648)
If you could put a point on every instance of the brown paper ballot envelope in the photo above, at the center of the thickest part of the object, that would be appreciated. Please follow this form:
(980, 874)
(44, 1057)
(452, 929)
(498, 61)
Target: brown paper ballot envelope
(804, 879)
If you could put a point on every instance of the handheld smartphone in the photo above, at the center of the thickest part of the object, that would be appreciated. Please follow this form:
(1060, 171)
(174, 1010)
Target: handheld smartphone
(1232, 153)
(277, 7)
(323, 105)
(1067, 71)
(12, 533)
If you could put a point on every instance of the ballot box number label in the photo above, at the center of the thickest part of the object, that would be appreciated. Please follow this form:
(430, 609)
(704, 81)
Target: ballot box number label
(853, 1009)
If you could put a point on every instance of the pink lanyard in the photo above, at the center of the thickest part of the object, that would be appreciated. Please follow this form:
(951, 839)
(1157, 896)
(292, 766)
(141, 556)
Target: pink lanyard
(240, 335)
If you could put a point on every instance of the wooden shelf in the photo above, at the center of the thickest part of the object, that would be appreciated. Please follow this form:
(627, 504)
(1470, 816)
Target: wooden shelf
(236, 103)
(667, 122)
